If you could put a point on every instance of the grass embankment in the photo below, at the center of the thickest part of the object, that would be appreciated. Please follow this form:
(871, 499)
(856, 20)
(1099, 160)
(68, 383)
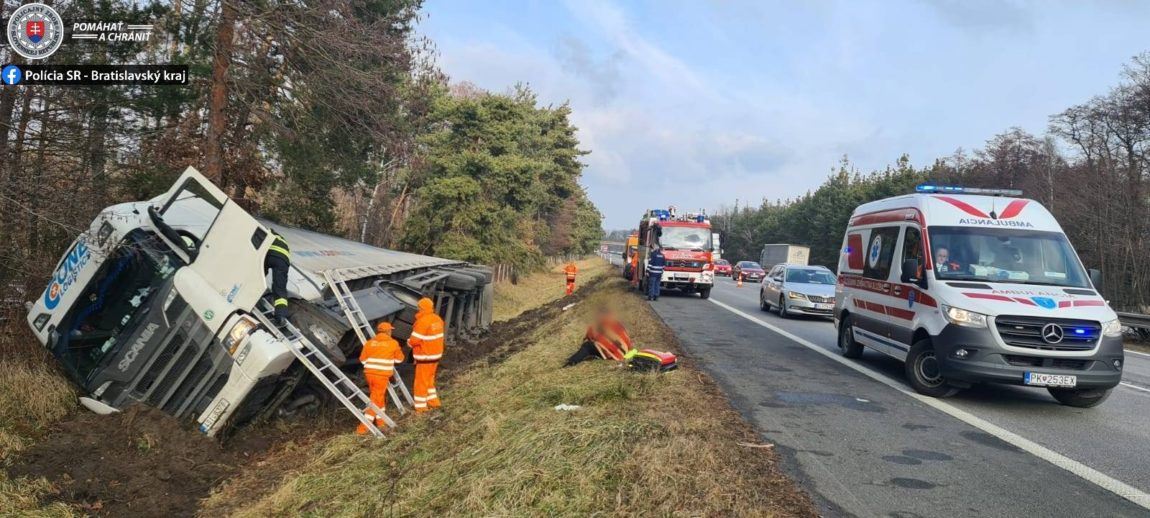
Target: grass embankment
(32, 397)
(538, 289)
(640, 443)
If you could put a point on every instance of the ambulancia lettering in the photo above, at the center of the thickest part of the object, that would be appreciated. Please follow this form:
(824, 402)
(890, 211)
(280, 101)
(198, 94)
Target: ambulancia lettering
(995, 222)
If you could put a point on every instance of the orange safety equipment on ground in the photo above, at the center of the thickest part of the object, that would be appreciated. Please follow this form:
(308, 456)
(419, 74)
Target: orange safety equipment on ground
(426, 348)
(570, 270)
(379, 358)
(610, 338)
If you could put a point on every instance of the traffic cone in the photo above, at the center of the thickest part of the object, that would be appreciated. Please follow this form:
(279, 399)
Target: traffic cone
(740, 285)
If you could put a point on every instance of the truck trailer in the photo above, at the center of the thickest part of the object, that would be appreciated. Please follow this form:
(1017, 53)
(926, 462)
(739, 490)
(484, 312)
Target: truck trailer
(779, 254)
(159, 302)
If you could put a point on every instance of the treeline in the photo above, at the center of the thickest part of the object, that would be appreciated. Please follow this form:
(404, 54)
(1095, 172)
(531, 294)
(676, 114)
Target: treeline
(1091, 169)
(329, 115)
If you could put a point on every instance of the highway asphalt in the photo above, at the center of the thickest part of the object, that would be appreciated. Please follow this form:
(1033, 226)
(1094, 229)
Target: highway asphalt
(863, 445)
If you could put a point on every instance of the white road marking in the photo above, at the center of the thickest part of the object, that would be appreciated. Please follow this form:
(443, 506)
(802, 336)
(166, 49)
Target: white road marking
(1087, 473)
(1136, 353)
(1135, 387)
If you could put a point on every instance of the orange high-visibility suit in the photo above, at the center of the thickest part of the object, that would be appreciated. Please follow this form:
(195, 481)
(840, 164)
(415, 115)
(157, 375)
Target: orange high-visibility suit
(426, 348)
(379, 357)
(570, 270)
(635, 269)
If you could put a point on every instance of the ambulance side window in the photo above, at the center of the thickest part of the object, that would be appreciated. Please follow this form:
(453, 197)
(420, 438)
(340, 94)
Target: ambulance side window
(912, 248)
(880, 252)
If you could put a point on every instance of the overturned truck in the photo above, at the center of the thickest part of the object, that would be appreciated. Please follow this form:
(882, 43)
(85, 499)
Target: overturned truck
(159, 302)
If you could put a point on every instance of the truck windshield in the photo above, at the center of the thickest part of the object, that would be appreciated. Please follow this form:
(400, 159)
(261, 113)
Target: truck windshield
(109, 307)
(685, 238)
(1005, 255)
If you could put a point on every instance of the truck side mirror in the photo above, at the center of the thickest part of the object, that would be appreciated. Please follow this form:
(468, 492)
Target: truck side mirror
(1096, 279)
(910, 272)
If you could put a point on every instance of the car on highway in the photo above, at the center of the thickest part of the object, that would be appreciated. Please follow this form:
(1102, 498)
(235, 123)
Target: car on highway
(749, 270)
(974, 286)
(722, 267)
(795, 289)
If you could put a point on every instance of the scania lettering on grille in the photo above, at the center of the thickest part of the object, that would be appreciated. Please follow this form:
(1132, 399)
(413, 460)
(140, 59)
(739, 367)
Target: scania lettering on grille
(137, 346)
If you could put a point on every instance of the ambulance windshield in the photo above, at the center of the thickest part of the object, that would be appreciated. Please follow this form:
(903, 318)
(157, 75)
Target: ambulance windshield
(1005, 255)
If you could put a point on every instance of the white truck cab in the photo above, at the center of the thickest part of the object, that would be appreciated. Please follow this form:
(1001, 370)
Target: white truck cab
(969, 286)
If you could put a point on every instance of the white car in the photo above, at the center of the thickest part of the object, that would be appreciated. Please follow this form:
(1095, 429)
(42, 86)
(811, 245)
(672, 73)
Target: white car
(795, 289)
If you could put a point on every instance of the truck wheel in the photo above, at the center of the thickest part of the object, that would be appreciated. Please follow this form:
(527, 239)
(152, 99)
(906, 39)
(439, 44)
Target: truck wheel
(783, 308)
(925, 373)
(847, 344)
(704, 293)
(1079, 398)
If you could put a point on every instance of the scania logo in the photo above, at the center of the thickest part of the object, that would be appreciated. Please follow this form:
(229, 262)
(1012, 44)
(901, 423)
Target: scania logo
(1052, 333)
(137, 346)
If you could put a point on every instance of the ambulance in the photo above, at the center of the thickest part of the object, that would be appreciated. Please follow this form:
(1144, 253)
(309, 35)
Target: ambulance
(970, 286)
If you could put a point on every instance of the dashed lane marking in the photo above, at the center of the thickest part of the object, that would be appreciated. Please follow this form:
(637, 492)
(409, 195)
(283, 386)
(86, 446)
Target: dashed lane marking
(1087, 473)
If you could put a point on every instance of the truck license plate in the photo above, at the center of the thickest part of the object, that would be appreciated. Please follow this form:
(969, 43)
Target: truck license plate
(1049, 380)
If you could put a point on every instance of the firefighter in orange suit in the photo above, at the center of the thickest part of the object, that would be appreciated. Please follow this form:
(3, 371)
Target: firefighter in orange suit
(570, 270)
(379, 357)
(426, 348)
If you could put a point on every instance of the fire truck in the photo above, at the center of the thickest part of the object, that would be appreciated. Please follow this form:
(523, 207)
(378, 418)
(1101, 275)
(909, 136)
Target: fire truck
(687, 244)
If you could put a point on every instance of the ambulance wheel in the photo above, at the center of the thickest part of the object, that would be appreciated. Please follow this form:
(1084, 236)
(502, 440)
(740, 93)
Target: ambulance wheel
(924, 371)
(705, 293)
(847, 344)
(1080, 398)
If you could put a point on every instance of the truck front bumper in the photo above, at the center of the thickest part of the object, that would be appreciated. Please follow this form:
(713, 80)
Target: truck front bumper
(677, 280)
(986, 361)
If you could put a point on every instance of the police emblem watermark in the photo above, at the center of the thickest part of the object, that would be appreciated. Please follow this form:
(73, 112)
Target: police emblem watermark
(35, 31)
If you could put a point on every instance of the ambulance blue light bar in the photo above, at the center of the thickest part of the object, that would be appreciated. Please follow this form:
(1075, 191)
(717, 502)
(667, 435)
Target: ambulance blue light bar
(927, 188)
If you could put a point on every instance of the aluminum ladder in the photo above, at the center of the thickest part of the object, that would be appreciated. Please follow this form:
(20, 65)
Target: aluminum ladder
(364, 331)
(327, 372)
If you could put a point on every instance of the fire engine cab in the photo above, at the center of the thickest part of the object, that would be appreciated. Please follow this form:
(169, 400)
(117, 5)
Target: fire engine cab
(687, 245)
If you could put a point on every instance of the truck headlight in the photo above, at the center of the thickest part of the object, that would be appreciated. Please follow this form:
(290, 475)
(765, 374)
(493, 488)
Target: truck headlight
(1112, 328)
(962, 317)
(796, 295)
(239, 331)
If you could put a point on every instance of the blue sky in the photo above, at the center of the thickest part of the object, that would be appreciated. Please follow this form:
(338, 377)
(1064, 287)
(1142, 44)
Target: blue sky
(699, 103)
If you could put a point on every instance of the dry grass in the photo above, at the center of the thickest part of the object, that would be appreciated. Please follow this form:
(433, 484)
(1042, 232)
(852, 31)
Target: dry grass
(540, 288)
(32, 397)
(641, 443)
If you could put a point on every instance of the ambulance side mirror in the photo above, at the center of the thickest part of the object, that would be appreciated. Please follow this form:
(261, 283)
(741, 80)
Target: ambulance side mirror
(1096, 279)
(910, 272)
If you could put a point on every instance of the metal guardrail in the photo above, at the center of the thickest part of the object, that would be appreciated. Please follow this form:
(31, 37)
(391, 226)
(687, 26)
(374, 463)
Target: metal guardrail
(1135, 320)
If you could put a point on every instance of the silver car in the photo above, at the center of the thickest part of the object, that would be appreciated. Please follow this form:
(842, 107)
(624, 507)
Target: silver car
(798, 290)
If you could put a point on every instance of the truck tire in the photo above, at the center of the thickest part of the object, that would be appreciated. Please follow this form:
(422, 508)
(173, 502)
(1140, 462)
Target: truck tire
(705, 293)
(459, 281)
(847, 344)
(924, 372)
(1079, 398)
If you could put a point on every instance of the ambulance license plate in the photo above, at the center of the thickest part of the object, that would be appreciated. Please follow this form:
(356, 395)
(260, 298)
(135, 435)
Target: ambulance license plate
(1049, 380)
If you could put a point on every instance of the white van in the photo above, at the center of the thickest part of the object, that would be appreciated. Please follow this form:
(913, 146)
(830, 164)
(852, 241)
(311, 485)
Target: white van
(970, 286)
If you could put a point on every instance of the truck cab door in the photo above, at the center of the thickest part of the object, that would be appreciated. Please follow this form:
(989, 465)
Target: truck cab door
(228, 244)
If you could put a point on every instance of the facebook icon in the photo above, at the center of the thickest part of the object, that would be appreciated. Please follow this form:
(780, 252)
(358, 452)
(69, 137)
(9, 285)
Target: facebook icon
(12, 75)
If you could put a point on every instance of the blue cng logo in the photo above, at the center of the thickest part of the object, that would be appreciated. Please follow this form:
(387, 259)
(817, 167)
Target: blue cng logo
(12, 75)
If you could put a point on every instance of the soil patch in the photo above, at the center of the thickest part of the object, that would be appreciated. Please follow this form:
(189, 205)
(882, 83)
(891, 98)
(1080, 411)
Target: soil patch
(507, 337)
(143, 462)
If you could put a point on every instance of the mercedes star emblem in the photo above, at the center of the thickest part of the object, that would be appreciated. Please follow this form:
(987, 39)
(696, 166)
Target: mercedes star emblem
(1052, 333)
